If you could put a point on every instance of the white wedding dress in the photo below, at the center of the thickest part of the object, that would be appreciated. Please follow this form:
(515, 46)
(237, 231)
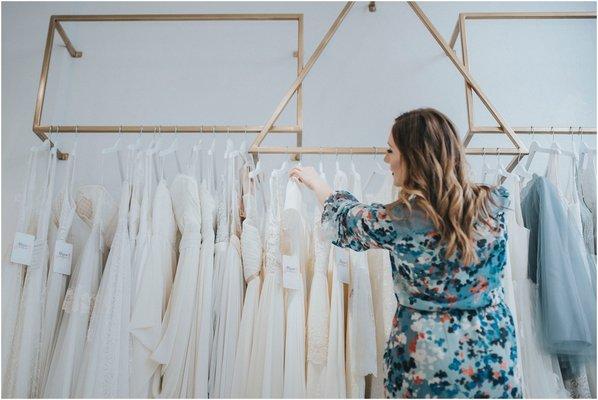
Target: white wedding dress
(96, 208)
(22, 372)
(267, 353)
(318, 317)
(105, 369)
(251, 249)
(13, 274)
(361, 326)
(294, 240)
(57, 281)
(173, 349)
(383, 296)
(231, 302)
(335, 386)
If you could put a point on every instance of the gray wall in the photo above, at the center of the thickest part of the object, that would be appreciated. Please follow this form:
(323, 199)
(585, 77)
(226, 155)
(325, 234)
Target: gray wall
(378, 65)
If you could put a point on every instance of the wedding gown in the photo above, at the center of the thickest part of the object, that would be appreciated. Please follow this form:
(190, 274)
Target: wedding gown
(57, 281)
(318, 316)
(294, 239)
(231, 302)
(105, 369)
(13, 274)
(383, 297)
(251, 249)
(23, 363)
(361, 326)
(335, 386)
(267, 352)
(205, 279)
(146, 315)
(96, 208)
(172, 350)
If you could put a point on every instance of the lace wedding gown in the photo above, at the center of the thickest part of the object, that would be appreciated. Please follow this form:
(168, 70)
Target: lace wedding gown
(22, 372)
(294, 239)
(105, 369)
(318, 316)
(97, 209)
(267, 353)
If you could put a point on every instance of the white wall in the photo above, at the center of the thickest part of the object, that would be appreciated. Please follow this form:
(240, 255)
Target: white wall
(378, 65)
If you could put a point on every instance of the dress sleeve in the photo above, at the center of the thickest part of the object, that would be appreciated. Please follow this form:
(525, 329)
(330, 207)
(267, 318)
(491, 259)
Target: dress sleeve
(348, 223)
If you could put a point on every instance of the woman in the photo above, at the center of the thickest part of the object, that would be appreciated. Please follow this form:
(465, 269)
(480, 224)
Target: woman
(452, 334)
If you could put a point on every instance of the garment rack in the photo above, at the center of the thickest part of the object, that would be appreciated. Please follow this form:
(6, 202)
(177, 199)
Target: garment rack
(55, 25)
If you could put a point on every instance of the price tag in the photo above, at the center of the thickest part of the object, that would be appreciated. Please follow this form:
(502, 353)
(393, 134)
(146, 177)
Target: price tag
(22, 249)
(341, 257)
(63, 256)
(291, 275)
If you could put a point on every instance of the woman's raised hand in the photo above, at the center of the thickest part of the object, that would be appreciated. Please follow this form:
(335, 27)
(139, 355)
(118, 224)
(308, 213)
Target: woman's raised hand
(310, 178)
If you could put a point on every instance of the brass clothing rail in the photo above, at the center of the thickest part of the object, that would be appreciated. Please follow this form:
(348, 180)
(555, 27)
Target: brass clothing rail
(55, 25)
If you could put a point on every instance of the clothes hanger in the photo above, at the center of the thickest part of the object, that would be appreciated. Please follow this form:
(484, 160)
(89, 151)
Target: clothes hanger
(172, 149)
(379, 170)
(584, 149)
(116, 148)
(535, 147)
(486, 168)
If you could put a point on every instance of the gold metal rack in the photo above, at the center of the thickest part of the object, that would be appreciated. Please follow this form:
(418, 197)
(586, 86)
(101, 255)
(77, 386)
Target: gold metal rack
(459, 30)
(518, 150)
(55, 25)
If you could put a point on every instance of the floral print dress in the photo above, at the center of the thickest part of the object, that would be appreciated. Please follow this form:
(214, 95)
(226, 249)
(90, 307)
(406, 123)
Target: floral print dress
(452, 334)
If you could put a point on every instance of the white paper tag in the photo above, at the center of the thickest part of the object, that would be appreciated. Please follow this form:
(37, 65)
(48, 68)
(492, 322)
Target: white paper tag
(291, 273)
(341, 257)
(63, 256)
(22, 249)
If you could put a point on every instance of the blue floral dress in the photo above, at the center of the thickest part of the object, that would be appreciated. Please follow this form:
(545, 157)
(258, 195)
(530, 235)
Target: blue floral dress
(452, 334)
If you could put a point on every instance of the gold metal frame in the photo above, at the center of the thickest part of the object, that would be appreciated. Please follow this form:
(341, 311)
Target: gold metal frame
(459, 30)
(255, 148)
(55, 25)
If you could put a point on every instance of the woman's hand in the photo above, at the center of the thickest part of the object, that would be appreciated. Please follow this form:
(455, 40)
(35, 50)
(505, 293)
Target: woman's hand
(310, 178)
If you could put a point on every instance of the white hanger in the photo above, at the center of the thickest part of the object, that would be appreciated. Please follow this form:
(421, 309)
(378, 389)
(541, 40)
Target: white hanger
(116, 148)
(378, 170)
(321, 165)
(584, 149)
(137, 144)
(172, 149)
(535, 147)
(486, 168)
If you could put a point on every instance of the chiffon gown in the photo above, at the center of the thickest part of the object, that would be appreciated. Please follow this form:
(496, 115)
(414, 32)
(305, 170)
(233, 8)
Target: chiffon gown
(146, 314)
(13, 274)
(57, 282)
(318, 317)
(172, 350)
(267, 353)
(538, 376)
(384, 300)
(97, 209)
(251, 249)
(361, 326)
(105, 369)
(231, 302)
(294, 237)
(203, 306)
(335, 386)
(22, 372)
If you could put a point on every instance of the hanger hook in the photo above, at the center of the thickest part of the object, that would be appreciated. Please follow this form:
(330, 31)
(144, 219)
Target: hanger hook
(552, 131)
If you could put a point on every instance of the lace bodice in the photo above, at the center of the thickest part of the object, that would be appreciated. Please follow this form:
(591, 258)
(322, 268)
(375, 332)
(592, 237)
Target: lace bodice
(273, 256)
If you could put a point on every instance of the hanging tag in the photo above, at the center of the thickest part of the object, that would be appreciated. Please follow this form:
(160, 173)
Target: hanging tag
(341, 257)
(291, 275)
(63, 256)
(22, 249)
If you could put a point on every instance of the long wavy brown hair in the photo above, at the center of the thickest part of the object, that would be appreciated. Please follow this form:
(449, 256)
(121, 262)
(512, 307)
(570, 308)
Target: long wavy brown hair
(436, 180)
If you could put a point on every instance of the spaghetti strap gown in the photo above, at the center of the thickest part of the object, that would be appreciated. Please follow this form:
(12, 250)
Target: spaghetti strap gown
(95, 207)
